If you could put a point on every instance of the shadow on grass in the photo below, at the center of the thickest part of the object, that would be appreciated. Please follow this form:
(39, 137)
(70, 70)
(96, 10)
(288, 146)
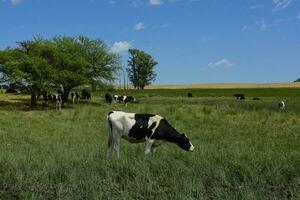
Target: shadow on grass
(24, 105)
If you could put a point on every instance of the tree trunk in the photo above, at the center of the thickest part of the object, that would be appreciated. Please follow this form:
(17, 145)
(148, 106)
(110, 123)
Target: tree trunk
(66, 94)
(33, 100)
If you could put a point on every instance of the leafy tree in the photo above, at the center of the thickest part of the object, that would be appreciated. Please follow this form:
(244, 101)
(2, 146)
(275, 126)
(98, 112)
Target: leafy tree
(102, 64)
(140, 68)
(83, 61)
(297, 80)
(63, 61)
(29, 64)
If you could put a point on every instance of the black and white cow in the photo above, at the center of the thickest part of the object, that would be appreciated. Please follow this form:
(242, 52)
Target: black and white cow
(75, 97)
(86, 95)
(118, 98)
(147, 128)
(108, 98)
(239, 96)
(128, 99)
(281, 105)
(124, 99)
(58, 97)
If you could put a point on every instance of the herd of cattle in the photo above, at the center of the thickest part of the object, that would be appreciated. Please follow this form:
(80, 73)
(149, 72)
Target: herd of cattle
(281, 104)
(133, 127)
(85, 95)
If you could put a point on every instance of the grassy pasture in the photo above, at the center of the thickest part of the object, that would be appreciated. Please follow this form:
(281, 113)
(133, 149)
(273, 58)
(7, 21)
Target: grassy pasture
(243, 149)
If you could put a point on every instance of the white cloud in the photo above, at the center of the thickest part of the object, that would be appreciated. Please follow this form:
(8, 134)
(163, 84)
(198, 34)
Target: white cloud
(220, 64)
(281, 4)
(155, 2)
(262, 24)
(139, 26)
(120, 47)
(136, 3)
(257, 6)
(15, 2)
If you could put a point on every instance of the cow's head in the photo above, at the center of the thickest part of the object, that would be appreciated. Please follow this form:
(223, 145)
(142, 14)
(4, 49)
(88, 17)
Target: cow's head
(185, 143)
(132, 98)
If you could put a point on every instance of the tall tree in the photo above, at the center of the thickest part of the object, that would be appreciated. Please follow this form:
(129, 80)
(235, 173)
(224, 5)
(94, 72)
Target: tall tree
(63, 61)
(140, 68)
(29, 65)
(83, 61)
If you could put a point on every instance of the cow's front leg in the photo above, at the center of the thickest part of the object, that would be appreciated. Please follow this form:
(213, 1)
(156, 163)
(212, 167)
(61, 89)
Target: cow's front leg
(148, 145)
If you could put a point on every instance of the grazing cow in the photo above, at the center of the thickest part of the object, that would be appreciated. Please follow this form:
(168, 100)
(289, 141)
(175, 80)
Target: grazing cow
(256, 98)
(239, 96)
(108, 98)
(189, 94)
(147, 128)
(128, 99)
(118, 98)
(124, 99)
(281, 105)
(50, 97)
(59, 99)
(86, 95)
(75, 97)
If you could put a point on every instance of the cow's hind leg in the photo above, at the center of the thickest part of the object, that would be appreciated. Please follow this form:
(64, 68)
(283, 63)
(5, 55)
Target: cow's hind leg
(109, 145)
(116, 143)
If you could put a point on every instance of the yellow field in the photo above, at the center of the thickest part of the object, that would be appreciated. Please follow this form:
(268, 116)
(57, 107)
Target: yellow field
(226, 85)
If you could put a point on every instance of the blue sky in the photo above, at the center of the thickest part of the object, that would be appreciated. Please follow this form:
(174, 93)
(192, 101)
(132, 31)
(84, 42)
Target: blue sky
(194, 41)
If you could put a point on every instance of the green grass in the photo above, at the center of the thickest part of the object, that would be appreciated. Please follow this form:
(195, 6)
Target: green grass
(243, 150)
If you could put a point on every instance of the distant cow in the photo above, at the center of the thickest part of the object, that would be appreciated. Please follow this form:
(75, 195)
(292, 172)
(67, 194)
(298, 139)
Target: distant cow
(256, 98)
(124, 99)
(58, 97)
(137, 128)
(239, 96)
(86, 95)
(281, 105)
(128, 99)
(118, 98)
(189, 94)
(75, 97)
(108, 98)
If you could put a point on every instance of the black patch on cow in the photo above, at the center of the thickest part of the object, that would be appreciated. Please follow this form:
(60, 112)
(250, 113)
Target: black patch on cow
(165, 131)
(129, 99)
(140, 129)
(110, 113)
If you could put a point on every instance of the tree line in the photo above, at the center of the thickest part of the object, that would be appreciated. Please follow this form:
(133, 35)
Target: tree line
(67, 62)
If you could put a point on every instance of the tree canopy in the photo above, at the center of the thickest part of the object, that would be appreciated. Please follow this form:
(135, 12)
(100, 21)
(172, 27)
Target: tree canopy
(63, 61)
(140, 68)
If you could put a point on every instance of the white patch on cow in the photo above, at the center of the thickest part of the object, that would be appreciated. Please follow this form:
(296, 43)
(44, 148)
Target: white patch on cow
(153, 119)
(281, 105)
(122, 121)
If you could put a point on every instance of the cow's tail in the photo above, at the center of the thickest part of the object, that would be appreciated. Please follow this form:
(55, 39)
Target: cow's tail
(109, 125)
